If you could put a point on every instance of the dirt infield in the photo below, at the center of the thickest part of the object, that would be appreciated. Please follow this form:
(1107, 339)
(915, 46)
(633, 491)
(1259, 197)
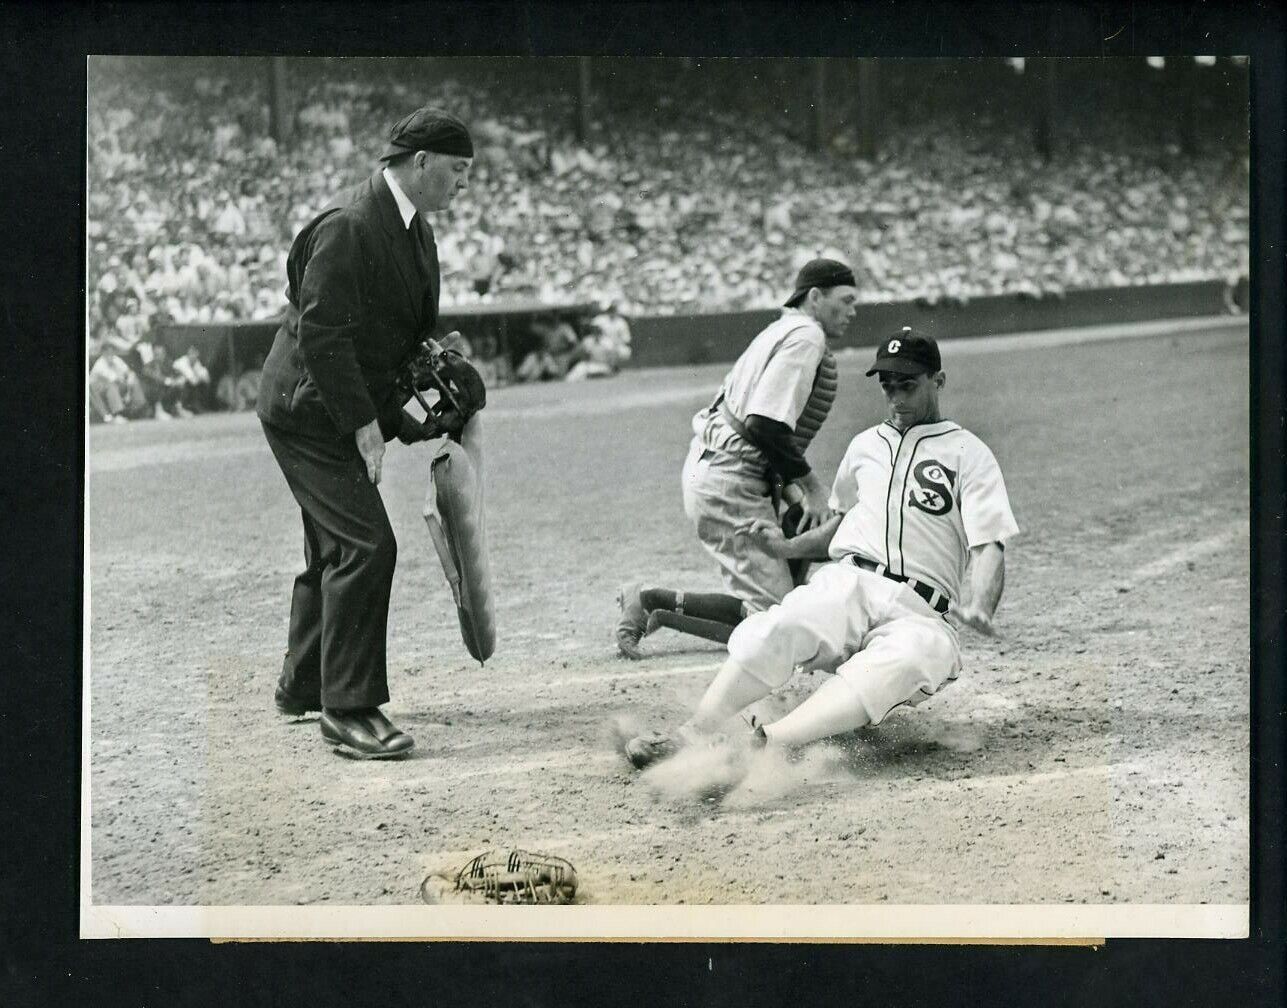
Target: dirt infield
(1097, 753)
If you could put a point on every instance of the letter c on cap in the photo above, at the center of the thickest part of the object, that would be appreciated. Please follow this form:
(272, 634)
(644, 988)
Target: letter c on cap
(894, 346)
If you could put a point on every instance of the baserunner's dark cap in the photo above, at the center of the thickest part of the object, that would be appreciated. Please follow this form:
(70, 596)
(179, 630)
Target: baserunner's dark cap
(821, 273)
(429, 129)
(908, 352)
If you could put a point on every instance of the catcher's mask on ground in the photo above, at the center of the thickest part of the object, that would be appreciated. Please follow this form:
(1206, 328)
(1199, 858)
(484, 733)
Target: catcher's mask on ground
(505, 877)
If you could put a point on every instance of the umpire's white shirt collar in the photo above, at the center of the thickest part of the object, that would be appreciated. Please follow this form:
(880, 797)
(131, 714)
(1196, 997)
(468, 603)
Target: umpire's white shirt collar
(405, 206)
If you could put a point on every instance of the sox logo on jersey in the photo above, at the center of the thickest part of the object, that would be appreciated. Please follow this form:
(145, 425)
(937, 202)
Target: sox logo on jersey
(934, 485)
(917, 512)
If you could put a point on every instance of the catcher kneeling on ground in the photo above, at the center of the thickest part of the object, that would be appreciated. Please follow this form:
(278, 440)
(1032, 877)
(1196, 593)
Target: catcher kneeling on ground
(922, 507)
(747, 460)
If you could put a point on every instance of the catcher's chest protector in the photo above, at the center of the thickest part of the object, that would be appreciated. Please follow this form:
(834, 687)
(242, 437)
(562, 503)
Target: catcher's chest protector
(453, 511)
(825, 383)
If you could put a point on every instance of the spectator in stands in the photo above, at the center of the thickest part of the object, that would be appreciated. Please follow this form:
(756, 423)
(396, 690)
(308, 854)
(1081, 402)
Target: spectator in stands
(131, 325)
(562, 341)
(194, 383)
(539, 365)
(557, 351)
(614, 332)
(484, 260)
(160, 382)
(596, 360)
(678, 208)
(603, 349)
(241, 393)
(489, 362)
(115, 393)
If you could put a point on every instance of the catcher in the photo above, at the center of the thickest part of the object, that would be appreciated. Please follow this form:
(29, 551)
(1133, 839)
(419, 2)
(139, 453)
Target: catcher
(747, 461)
(363, 289)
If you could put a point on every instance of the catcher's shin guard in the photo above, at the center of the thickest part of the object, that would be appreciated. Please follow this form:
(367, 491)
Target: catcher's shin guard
(453, 511)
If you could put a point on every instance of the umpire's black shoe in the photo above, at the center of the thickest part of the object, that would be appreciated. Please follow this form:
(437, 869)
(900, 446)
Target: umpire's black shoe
(364, 734)
(292, 706)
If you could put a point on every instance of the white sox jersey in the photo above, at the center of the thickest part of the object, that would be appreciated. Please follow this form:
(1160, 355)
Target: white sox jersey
(772, 378)
(918, 500)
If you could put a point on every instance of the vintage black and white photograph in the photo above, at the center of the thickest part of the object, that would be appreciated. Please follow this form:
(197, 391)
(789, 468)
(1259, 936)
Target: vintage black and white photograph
(682, 497)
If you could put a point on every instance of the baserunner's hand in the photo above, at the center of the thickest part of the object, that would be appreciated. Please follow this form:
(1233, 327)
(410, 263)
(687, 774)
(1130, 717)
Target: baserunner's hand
(765, 535)
(974, 618)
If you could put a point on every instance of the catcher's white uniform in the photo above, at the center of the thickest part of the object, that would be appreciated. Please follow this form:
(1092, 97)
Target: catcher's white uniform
(914, 503)
(725, 477)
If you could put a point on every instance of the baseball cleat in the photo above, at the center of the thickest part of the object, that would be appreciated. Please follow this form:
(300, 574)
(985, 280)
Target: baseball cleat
(633, 625)
(644, 750)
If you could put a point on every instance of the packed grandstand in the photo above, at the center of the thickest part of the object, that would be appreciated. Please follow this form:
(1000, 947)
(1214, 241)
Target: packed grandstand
(692, 190)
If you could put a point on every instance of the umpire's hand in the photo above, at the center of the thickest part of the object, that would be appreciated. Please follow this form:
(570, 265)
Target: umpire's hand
(370, 445)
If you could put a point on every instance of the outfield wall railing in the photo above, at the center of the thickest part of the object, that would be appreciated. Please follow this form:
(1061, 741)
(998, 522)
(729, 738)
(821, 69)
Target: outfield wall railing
(667, 340)
(704, 339)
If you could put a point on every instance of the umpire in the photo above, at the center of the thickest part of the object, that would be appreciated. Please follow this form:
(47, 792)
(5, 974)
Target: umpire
(363, 291)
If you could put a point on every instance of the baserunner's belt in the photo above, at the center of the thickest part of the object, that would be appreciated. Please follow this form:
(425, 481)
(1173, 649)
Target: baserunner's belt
(936, 599)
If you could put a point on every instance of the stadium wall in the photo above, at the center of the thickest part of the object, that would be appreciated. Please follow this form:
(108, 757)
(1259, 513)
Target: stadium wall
(665, 340)
(703, 339)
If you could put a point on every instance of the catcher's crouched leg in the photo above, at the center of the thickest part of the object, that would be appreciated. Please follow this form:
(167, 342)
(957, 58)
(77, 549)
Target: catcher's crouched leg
(453, 511)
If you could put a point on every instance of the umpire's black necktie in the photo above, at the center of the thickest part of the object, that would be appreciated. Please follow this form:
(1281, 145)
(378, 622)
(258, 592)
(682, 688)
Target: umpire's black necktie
(419, 235)
(418, 238)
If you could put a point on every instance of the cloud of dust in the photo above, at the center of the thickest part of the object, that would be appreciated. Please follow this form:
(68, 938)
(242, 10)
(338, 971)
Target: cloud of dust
(740, 776)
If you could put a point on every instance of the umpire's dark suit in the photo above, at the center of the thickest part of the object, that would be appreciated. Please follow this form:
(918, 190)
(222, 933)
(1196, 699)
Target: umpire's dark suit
(363, 288)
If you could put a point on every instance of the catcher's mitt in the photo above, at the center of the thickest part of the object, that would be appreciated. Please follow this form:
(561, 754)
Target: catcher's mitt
(505, 877)
(460, 388)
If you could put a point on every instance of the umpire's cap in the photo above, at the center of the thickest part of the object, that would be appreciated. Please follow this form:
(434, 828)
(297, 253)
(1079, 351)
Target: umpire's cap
(429, 129)
(821, 273)
(908, 352)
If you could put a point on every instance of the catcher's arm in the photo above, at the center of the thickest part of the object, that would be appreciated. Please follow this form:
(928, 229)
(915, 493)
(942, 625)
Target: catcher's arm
(987, 581)
(776, 440)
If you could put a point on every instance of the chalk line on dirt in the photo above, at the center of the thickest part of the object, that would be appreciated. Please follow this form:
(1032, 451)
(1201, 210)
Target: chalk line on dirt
(1190, 552)
(489, 688)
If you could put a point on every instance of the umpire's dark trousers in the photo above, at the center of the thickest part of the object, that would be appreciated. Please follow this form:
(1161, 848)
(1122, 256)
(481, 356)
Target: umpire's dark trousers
(339, 608)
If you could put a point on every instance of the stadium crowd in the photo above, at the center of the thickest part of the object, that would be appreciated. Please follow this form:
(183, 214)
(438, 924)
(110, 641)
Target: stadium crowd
(670, 205)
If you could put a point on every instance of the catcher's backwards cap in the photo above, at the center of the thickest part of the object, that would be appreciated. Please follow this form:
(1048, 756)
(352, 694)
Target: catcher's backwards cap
(820, 273)
(909, 353)
(429, 129)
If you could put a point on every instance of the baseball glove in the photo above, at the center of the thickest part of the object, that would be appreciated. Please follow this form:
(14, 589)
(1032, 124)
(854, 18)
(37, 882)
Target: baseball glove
(513, 877)
(460, 388)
